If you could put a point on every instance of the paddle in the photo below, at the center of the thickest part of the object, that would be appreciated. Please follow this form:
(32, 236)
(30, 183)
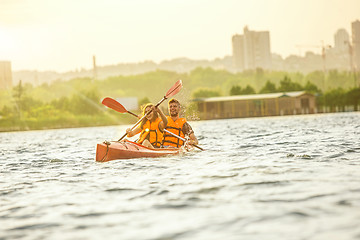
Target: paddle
(115, 105)
(183, 139)
(171, 92)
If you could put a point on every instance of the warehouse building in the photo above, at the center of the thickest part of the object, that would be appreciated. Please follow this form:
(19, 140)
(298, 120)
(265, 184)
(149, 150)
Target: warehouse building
(256, 105)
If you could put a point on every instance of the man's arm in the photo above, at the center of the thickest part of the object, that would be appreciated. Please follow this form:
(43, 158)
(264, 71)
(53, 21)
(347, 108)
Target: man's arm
(187, 130)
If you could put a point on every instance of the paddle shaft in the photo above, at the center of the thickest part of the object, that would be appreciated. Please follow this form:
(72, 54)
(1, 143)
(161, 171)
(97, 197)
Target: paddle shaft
(132, 114)
(183, 139)
(137, 123)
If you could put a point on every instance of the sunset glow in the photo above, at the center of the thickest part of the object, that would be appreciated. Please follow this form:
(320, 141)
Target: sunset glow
(64, 35)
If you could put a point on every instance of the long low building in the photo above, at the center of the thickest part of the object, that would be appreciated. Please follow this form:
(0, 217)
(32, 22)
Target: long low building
(256, 105)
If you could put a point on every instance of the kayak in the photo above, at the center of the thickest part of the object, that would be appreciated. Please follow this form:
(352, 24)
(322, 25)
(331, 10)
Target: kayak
(126, 149)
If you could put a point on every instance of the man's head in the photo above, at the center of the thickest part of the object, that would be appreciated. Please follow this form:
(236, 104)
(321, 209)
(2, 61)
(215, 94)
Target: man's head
(174, 107)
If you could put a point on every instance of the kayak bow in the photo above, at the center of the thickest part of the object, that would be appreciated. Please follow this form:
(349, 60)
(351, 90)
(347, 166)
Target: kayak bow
(126, 149)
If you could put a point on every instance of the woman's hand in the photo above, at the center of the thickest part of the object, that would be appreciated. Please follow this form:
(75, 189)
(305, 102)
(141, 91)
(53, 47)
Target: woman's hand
(154, 109)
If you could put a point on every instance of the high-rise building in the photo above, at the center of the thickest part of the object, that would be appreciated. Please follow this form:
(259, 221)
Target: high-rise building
(339, 56)
(251, 50)
(342, 40)
(238, 52)
(355, 29)
(5, 75)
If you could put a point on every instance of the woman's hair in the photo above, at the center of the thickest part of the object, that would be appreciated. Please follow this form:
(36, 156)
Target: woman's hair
(155, 115)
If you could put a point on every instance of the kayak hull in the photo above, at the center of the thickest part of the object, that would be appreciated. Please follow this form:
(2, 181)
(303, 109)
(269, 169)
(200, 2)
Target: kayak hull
(126, 149)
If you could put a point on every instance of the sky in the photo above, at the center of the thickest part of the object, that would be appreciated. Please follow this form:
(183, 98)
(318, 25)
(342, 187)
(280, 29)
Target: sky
(63, 35)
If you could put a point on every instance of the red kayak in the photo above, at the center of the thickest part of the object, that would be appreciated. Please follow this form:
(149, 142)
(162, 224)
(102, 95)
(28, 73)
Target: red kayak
(126, 149)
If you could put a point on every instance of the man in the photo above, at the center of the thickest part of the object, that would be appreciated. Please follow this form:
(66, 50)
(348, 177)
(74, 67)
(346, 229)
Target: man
(178, 126)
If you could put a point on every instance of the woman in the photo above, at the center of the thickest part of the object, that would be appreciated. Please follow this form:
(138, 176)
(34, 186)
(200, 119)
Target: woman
(151, 127)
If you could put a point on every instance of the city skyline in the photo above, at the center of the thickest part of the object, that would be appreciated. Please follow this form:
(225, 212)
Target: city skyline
(64, 35)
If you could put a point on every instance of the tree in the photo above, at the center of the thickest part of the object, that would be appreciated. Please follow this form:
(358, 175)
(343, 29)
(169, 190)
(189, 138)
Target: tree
(205, 93)
(286, 85)
(353, 98)
(268, 88)
(316, 77)
(18, 91)
(235, 90)
(62, 103)
(18, 95)
(87, 103)
(335, 98)
(7, 111)
(311, 88)
(248, 90)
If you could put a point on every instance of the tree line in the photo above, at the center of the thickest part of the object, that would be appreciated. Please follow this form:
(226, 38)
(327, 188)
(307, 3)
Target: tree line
(77, 102)
(332, 99)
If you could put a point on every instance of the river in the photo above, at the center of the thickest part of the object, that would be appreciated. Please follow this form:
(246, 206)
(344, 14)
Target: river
(292, 177)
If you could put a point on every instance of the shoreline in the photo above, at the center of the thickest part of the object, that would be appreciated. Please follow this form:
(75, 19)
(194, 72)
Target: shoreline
(24, 128)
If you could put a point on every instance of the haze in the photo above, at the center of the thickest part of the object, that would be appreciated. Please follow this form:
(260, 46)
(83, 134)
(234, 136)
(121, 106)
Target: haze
(63, 35)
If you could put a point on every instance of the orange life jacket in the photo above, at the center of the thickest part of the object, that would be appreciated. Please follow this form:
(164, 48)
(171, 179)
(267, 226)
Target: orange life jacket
(152, 129)
(176, 128)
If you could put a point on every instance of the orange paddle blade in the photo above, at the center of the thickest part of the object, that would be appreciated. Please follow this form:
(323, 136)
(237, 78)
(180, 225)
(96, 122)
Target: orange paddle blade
(174, 89)
(113, 104)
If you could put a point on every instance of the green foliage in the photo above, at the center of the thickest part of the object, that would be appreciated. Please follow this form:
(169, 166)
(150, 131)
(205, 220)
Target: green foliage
(335, 98)
(43, 111)
(62, 103)
(268, 88)
(353, 98)
(205, 93)
(237, 90)
(286, 85)
(7, 112)
(248, 90)
(87, 103)
(18, 91)
(76, 102)
(316, 78)
(212, 78)
(311, 88)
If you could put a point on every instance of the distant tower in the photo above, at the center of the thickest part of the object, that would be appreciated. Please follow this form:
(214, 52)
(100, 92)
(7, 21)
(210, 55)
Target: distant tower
(238, 52)
(94, 68)
(355, 28)
(251, 50)
(5, 75)
(342, 40)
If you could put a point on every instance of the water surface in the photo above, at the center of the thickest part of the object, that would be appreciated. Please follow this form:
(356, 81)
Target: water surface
(295, 177)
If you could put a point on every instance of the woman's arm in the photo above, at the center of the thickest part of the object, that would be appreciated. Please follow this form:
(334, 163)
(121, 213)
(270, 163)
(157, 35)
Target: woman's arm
(133, 132)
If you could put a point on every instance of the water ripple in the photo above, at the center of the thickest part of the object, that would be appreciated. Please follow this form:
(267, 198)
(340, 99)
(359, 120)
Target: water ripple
(292, 177)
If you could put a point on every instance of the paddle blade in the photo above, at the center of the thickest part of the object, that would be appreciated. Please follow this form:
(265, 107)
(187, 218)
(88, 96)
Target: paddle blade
(174, 89)
(113, 104)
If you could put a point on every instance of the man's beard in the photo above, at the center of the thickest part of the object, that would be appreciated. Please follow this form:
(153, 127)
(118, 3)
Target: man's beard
(173, 114)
